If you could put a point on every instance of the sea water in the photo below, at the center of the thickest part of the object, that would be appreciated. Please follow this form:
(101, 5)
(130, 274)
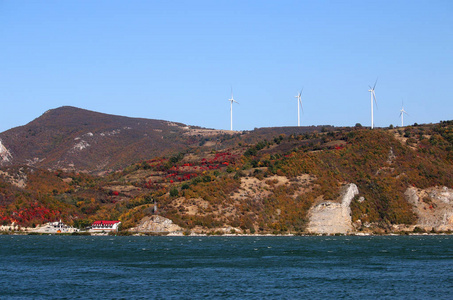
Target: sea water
(252, 267)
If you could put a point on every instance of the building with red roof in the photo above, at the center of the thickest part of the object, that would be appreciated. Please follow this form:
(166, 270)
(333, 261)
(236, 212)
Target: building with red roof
(106, 226)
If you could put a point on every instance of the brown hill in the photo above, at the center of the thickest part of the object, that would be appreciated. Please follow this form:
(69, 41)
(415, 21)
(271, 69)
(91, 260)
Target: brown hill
(73, 138)
(70, 138)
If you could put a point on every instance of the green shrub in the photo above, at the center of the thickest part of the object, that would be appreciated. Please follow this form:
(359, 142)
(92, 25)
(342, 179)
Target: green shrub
(174, 192)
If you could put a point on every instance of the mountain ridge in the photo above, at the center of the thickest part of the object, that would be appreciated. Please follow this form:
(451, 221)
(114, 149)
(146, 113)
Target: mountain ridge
(72, 138)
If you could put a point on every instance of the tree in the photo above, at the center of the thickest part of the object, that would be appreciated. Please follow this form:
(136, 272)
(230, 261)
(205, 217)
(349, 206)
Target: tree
(174, 192)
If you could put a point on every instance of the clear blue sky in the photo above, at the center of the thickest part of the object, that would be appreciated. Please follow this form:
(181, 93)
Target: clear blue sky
(176, 60)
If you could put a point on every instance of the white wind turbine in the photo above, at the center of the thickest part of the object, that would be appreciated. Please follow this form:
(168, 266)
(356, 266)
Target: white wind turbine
(299, 106)
(231, 109)
(402, 112)
(373, 96)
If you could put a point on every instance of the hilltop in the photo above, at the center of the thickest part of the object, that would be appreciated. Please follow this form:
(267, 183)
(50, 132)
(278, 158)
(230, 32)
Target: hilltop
(70, 138)
(270, 180)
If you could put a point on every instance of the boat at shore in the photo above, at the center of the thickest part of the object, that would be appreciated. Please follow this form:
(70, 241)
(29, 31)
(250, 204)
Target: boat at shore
(55, 227)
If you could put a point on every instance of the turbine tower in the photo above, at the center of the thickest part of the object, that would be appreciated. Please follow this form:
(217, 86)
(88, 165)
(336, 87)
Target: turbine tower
(231, 109)
(373, 96)
(402, 112)
(299, 105)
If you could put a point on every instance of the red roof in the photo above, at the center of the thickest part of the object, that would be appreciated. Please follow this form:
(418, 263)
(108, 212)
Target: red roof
(105, 222)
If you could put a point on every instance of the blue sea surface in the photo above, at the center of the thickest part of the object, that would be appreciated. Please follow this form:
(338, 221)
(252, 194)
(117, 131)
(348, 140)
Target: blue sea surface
(253, 267)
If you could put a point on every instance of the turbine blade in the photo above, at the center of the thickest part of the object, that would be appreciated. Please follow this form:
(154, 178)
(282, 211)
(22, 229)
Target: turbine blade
(375, 83)
(300, 102)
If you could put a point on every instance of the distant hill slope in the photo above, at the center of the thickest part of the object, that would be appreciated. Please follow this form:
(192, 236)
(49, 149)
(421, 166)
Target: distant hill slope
(73, 138)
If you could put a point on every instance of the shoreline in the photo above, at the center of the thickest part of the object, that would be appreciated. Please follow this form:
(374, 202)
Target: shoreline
(181, 234)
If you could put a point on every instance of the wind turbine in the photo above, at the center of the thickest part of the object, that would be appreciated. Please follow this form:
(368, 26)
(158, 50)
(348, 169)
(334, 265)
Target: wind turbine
(402, 112)
(231, 108)
(299, 105)
(373, 95)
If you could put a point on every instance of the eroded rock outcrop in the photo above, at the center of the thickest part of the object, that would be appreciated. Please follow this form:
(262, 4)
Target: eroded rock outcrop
(5, 155)
(433, 207)
(330, 217)
(156, 224)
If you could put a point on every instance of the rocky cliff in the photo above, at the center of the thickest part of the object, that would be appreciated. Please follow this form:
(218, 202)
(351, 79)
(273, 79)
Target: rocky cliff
(156, 224)
(330, 217)
(433, 207)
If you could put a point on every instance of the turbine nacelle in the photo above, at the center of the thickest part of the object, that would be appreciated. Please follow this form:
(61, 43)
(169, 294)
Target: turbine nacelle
(373, 94)
(232, 98)
(299, 105)
(402, 113)
(373, 97)
(231, 108)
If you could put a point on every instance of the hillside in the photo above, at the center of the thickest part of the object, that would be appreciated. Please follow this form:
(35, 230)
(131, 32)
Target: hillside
(76, 139)
(276, 180)
(69, 138)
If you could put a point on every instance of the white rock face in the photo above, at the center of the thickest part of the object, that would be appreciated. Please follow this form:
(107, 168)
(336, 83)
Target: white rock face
(5, 155)
(331, 217)
(411, 196)
(433, 207)
(347, 194)
(444, 194)
(110, 133)
(81, 145)
(156, 224)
